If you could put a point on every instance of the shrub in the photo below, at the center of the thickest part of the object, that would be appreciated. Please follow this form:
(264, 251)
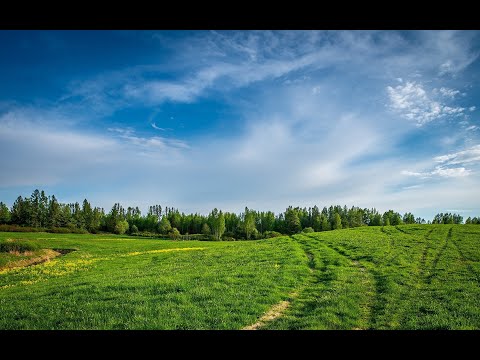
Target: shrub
(134, 230)
(18, 228)
(65, 230)
(206, 229)
(174, 233)
(195, 237)
(18, 245)
(228, 238)
(272, 234)
(229, 234)
(255, 235)
(308, 230)
(121, 227)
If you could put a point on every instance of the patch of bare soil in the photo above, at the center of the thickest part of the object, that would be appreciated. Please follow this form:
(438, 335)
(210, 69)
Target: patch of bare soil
(275, 311)
(46, 255)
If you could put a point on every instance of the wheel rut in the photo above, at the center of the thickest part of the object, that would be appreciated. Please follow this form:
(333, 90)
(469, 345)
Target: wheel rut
(367, 279)
(438, 257)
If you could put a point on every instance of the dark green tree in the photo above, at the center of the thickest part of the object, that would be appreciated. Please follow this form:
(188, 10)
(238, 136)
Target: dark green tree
(4, 214)
(337, 222)
(292, 221)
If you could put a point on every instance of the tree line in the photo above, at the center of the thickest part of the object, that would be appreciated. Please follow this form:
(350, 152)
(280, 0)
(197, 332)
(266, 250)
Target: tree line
(45, 212)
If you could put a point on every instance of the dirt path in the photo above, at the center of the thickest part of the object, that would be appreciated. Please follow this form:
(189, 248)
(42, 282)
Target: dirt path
(275, 311)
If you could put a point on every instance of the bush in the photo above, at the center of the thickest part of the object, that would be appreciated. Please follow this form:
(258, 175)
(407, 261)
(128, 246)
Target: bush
(228, 238)
(10, 245)
(148, 234)
(272, 234)
(308, 230)
(134, 230)
(18, 228)
(229, 234)
(64, 230)
(121, 227)
(55, 230)
(195, 237)
(255, 235)
(174, 234)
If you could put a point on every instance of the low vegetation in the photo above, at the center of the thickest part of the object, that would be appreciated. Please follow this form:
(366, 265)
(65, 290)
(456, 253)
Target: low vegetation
(390, 277)
(17, 245)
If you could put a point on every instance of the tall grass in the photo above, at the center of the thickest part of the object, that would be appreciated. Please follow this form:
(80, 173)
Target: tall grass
(17, 245)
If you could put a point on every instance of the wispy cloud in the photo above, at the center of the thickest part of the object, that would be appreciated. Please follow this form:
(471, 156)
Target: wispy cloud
(309, 126)
(447, 168)
(153, 143)
(413, 102)
(439, 171)
(471, 155)
(450, 93)
(418, 186)
(159, 128)
(222, 61)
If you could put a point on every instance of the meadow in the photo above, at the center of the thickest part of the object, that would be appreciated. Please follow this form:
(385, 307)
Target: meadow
(391, 277)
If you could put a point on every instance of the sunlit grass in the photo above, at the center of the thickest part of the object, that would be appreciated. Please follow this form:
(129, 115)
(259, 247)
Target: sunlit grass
(406, 277)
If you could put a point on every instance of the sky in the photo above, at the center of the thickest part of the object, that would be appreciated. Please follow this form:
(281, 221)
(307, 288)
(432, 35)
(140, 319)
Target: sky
(228, 119)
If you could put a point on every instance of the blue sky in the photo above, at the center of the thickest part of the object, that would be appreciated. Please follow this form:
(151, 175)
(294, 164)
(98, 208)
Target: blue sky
(228, 119)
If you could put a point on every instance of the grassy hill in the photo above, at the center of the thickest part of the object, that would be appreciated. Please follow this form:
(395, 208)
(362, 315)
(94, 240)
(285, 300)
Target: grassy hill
(406, 277)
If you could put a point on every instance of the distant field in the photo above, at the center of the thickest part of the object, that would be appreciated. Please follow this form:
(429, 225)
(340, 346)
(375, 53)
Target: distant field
(406, 277)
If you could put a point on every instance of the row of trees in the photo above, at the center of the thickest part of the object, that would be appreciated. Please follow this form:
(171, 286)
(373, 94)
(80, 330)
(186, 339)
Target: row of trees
(448, 218)
(42, 211)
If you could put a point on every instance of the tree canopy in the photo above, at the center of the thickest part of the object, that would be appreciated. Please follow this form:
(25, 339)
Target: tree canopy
(43, 212)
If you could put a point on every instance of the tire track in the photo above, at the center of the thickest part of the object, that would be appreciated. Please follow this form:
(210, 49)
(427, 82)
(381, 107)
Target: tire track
(423, 259)
(277, 310)
(367, 278)
(391, 247)
(466, 261)
(401, 230)
(437, 258)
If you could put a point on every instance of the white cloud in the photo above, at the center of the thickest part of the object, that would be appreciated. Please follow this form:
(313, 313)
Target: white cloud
(470, 155)
(413, 173)
(447, 67)
(453, 49)
(316, 141)
(446, 169)
(222, 61)
(43, 153)
(472, 108)
(448, 92)
(451, 172)
(160, 128)
(153, 143)
(439, 171)
(411, 187)
(413, 102)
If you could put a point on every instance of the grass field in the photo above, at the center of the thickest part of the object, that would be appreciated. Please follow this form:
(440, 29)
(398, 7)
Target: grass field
(406, 277)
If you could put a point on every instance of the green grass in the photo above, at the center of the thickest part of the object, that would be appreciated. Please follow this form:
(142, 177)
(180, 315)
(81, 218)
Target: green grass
(406, 277)
(112, 282)
(17, 245)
